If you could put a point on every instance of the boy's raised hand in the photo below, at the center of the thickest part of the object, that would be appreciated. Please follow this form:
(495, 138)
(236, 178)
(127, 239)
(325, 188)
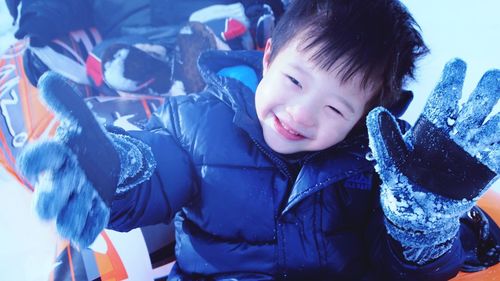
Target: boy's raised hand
(75, 174)
(435, 172)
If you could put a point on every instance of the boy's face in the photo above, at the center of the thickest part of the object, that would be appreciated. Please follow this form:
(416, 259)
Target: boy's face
(302, 107)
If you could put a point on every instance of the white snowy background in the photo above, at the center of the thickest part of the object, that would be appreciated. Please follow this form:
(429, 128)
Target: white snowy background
(452, 28)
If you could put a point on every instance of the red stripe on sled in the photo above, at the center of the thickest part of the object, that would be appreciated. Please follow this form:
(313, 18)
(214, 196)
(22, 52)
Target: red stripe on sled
(146, 108)
(94, 71)
(70, 261)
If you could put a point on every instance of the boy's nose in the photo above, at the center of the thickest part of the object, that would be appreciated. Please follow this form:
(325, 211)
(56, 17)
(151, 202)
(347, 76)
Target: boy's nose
(302, 114)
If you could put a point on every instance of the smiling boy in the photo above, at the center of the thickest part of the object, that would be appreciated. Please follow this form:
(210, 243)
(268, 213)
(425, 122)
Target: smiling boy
(302, 107)
(266, 185)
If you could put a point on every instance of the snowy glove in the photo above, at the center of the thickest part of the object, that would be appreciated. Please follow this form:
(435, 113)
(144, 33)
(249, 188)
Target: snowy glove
(77, 173)
(436, 172)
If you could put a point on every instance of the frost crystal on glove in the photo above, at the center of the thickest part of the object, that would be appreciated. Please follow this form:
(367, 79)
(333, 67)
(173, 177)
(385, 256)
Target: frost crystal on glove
(136, 159)
(437, 171)
(424, 223)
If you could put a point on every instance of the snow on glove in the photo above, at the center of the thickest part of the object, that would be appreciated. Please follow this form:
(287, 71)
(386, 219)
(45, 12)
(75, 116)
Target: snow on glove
(77, 173)
(436, 172)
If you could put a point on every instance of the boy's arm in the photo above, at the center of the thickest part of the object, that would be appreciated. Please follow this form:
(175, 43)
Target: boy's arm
(435, 173)
(165, 192)
(77, 173)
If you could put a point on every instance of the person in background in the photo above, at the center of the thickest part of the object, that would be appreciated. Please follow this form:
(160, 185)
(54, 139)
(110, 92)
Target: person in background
(161, 39)
(270, 172)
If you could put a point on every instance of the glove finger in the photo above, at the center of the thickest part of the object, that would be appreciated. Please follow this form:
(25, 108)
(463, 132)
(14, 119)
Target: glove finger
(39, 157)
(73, 216)
(56, 187)
(476, 140)
(385, 139)
(97, 220)
(443, 101)
(491, 158)
(82, 133)
(47, 202)
(481, 102)
(484, 143)
(55, 89)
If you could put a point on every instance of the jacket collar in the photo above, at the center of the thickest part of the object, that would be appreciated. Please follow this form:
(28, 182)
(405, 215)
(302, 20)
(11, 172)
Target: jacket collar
(335, 164)
(231, 91)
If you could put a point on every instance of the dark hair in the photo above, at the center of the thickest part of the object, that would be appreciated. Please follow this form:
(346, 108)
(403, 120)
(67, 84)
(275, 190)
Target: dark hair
(380, 38)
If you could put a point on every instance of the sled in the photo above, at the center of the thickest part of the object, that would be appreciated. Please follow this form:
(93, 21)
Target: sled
(24, 119)
(490, 204)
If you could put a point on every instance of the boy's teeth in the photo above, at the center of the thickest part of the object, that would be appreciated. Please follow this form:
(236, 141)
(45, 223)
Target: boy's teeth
(289, 130)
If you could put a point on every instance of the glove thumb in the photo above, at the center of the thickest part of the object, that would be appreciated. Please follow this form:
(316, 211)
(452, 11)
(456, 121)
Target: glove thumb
(385, 139)
(82, 134)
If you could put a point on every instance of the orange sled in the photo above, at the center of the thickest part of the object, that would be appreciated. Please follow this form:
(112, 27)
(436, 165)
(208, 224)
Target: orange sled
(490, 203)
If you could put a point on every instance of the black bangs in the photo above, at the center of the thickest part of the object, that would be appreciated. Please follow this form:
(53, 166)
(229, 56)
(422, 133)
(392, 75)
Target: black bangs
(377, 39)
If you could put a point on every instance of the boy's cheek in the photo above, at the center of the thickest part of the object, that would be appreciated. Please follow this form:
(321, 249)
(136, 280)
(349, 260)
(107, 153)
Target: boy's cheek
(262, 99)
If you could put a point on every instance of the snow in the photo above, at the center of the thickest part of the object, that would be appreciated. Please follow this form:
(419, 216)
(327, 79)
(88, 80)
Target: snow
(177, 88)
(186, 30)
(451, 28)
(6, 28)
(27, 245)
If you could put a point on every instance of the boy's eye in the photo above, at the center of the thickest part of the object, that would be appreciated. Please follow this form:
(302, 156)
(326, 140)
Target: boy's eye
(335, 110)
(294, 81)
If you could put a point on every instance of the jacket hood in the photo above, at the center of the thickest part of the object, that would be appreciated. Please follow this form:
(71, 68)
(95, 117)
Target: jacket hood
(211, 62)
(231, 91)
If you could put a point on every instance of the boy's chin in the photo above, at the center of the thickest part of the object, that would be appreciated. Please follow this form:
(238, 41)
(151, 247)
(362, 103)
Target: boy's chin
(283, 148)
(286, 151)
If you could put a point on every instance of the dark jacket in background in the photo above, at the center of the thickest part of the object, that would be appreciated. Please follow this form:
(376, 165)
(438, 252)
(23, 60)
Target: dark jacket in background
(45, 20)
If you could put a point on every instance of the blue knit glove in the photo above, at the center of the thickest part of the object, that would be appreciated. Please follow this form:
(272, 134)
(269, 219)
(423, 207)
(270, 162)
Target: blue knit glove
(77, 173)
(435, 173)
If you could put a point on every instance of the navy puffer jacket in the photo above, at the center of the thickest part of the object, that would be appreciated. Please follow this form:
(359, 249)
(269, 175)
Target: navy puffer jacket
(243, 211)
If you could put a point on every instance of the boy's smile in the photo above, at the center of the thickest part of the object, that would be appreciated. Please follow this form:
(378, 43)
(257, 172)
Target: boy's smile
(302, 107)
(286, 131)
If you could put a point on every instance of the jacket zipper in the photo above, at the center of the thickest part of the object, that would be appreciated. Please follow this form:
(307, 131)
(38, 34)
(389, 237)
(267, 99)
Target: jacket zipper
(281, 166)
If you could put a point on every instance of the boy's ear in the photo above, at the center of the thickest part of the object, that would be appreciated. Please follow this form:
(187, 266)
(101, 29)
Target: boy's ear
(267, 56)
